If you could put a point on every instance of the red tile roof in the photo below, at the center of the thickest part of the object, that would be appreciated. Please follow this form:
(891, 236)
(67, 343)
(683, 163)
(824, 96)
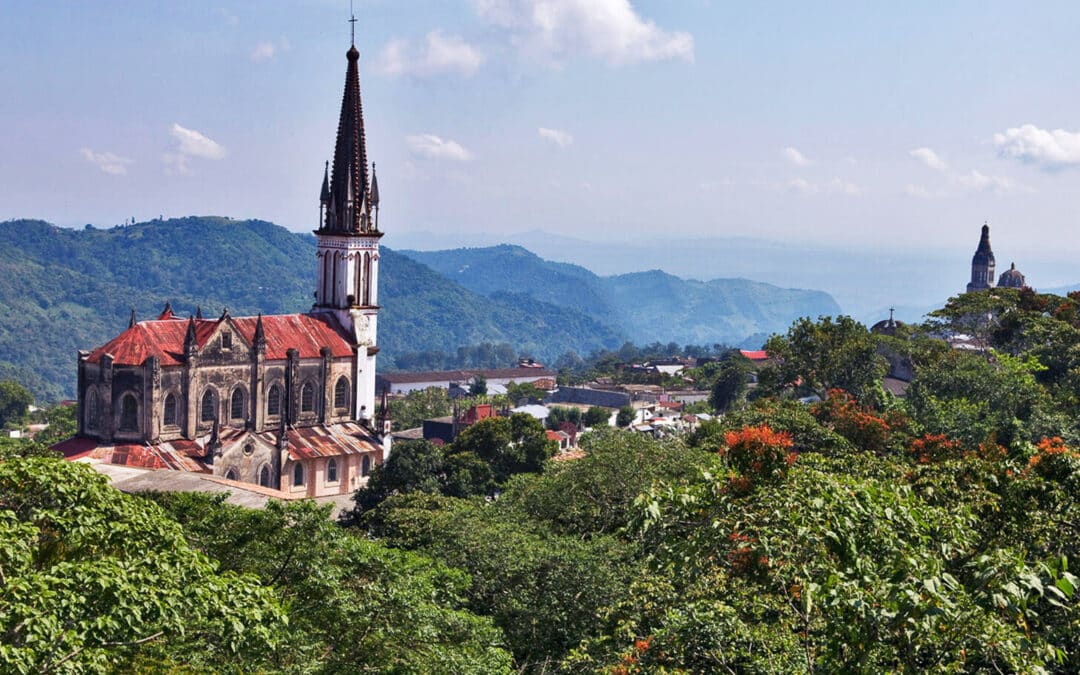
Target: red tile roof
(755, 355)
(307, 333)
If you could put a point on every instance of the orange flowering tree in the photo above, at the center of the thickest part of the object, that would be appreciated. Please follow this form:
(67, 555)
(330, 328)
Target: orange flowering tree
(1053, 459)
(758, 452)
(859, 424)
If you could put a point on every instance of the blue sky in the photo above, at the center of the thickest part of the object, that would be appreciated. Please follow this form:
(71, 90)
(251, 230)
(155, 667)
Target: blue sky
(859, 124)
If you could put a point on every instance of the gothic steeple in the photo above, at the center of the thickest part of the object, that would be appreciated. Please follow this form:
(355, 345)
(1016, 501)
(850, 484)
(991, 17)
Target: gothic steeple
(348, 207)
(982, 263)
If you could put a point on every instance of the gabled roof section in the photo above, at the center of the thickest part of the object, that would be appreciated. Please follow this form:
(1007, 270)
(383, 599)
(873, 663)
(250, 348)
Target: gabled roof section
(348, 203)
(307, 333)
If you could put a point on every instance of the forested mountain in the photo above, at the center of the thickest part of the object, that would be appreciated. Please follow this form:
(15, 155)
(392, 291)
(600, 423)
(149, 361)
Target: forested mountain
(62, 290)
(647, 306)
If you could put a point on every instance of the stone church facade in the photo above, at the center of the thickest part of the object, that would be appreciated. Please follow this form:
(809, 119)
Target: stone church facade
(287, 401)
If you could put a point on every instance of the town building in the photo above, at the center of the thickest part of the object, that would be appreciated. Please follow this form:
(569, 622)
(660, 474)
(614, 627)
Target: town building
(284, 402)
(405, 383)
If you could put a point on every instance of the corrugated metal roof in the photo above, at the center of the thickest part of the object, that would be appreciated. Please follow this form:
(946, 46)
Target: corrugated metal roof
(347, 438)
(307, 333)
(178, 455)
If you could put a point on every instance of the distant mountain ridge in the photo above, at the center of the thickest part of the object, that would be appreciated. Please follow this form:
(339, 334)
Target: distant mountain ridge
(62, 290)
(648, 306)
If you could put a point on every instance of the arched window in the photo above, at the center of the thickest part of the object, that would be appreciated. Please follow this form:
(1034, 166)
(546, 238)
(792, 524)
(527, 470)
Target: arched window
(264, 476)
(273, 401)
(129, 413)
(359, 290)
(92, 410)
(298, 474)
(333, 283)
(365, 465)
(307, 398)
(206, 412)
(331, 471)
(367, 279)
(236, 405)
(168, 413)
(341, 393)
(231, 474)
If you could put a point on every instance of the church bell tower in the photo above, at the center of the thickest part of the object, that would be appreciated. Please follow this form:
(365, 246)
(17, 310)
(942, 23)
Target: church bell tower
(982, 264)
(348, 241)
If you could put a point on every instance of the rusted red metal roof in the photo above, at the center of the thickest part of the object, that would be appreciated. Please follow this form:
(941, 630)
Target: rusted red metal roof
(176, 455)
(164, 338)
(755, 355)
(348, 438)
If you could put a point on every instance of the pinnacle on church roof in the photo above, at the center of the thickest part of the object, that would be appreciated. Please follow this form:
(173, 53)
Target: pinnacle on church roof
(166, 313)
(374, 198)
(131, 321)
(198, 311)
(348, 203)
(260, 336)
(324, 195)
(189, 337)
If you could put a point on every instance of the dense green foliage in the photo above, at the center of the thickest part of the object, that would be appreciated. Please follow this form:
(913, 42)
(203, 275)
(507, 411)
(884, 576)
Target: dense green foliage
(353, 605)
(647, 306)
(92, 580)
(479, 462)
(14, 402)
(62, 290)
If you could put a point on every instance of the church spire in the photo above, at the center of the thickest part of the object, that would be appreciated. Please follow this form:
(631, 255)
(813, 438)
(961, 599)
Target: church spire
(347, 207)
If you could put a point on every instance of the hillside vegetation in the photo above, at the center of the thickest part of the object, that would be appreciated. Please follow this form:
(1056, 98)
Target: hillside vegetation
(62, 290)
(650, 306)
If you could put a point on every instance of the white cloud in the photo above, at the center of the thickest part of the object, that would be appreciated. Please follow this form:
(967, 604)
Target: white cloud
(929, 158)
(434, 147)
(794, 157)
(836, 186)
(190, 143)
(107, 161)
(264, 51)
(1048, 149)
(921, 192)
(555, 30)
(438, 55)
(980, 182)
(556, 136)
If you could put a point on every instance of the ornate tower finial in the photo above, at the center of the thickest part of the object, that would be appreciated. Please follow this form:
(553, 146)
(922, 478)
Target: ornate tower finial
(352, 21)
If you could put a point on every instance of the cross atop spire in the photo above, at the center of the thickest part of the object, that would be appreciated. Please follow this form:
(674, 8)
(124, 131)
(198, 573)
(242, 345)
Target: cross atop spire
(352, 20)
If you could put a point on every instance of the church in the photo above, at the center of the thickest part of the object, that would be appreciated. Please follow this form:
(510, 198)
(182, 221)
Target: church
(982, 268)
(283, 402)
